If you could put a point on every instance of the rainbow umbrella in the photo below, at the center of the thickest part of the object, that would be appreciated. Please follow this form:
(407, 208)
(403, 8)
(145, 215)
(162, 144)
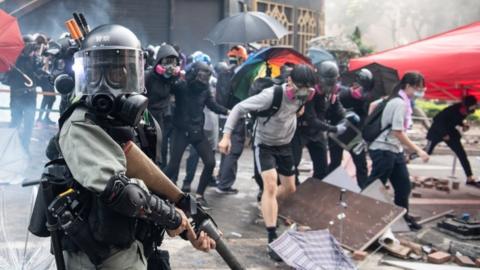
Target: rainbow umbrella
(256, 66)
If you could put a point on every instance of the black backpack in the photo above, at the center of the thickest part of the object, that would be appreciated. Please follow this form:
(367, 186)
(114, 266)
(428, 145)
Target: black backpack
(373, 123)
(263, 83)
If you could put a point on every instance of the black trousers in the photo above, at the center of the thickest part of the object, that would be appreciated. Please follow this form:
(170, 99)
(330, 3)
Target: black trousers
(46, 106)
(179, 143)
(387, 165)
(229, 162)
(23, 103)
(457, 147)
(317, 151)
(360, 161)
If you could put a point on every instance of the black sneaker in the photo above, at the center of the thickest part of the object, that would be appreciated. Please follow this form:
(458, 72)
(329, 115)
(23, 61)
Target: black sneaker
(212, 183)
(227, 191)
(273, 255)
(412, 224)
(203, 203)
(186, 188)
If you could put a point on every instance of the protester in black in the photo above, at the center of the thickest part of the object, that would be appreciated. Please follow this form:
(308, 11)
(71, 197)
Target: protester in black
(444, 129)
(23, 81)
(228, 165)
(355, 99)
(159, 80)
(314, 123)
(191, 96)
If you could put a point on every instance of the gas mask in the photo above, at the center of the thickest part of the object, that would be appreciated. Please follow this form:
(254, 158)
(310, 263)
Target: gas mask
(112, 81)
(168, 67)
(302, 94)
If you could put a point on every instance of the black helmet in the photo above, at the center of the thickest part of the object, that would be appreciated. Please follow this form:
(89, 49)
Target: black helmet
(328, 73)
(199, 74)
(364, 78)
(109, 71)
(111, 54)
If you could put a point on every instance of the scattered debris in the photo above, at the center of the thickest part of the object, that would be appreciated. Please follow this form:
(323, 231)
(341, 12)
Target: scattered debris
(439, 257)
(239, 235)
(464, 261)
(467, 249)
(416, 248)
(477, 262)
(462, 228)
(434, 217)
(359, 255)
(422, 266)
(416, 195)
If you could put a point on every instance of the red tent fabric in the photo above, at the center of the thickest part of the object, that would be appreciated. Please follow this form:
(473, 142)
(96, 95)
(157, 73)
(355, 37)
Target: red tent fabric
(449, 61)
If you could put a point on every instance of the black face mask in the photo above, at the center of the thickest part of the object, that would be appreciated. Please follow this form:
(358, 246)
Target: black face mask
(127, 108)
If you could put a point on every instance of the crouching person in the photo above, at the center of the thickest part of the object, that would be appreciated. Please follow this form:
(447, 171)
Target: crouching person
(276, 109)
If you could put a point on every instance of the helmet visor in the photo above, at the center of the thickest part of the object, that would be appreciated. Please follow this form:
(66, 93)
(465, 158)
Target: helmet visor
(121, 70)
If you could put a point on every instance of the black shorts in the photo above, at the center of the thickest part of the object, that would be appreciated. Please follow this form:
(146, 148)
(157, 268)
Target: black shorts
(275, 157)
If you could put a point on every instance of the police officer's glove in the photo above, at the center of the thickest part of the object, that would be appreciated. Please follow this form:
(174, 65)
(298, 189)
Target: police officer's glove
(341, 128)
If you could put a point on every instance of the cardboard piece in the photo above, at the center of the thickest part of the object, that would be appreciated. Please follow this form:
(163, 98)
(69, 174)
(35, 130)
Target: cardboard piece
(317, 204)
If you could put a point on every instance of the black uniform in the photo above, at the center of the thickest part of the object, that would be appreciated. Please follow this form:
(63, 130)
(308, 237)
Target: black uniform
(359, 105)
(312, 128)
(188, 122)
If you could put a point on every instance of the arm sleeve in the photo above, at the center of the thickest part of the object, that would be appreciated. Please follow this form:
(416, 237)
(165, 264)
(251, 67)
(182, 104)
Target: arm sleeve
(259, 102)
(93, 157)
(310, 116)
(398, 119)
(214, 106)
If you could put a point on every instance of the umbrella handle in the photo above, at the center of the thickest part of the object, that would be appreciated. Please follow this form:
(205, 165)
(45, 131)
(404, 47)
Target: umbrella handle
(29, 82)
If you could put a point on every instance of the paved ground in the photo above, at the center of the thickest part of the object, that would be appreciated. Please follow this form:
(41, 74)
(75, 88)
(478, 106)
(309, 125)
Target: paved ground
(236, 215)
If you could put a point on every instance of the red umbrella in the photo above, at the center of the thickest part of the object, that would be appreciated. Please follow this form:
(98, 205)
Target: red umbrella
(449, 61)
(11, 42)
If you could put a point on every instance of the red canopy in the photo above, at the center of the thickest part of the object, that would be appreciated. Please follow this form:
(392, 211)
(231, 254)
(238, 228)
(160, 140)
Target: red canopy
(449, 61)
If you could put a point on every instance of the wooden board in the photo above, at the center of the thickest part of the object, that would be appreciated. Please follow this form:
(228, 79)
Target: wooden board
(316, 204)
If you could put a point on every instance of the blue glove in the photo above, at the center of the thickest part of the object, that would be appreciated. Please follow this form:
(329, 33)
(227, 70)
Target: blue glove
(341, 128)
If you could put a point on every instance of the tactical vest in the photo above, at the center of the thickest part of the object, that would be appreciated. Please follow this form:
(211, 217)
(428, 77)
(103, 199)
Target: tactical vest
(95, 229)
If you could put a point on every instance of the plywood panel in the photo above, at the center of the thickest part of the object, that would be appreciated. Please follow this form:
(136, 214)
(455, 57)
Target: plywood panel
(316, 204)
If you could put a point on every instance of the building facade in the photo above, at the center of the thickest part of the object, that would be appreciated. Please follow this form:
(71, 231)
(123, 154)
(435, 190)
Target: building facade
(182, 22)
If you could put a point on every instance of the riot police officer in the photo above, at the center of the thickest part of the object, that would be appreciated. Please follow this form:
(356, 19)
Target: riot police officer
(94, 141)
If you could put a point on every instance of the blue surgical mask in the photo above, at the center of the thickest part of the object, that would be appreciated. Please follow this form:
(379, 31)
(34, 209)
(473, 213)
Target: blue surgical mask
(419, 94)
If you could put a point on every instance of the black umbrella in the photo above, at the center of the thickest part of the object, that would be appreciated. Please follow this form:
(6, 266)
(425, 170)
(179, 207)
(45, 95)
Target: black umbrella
(246, 27)
(384, 79)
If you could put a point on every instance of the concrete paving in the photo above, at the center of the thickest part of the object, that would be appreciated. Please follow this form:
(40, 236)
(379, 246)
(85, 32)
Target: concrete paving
(237, 216)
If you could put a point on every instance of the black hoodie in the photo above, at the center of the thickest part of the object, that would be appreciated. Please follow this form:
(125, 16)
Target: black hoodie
(158, 87)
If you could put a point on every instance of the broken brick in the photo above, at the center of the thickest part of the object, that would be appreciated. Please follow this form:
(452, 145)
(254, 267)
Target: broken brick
(455, 185)
(464, 261)
(416, 195)
(416, 248)
(359, 255)
(439, 257)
